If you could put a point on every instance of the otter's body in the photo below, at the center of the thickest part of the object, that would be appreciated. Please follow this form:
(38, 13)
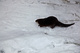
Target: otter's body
(51, 21)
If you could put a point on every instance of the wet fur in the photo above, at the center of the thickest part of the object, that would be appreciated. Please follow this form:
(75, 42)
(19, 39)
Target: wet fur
(51, 22)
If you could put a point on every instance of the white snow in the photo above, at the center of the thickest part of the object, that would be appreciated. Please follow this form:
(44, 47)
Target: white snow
(19, 33)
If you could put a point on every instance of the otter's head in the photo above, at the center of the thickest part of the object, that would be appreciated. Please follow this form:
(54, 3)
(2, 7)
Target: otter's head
(36, 21)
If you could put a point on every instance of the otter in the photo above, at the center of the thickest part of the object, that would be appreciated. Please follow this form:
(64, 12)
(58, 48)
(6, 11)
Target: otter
(51, 22)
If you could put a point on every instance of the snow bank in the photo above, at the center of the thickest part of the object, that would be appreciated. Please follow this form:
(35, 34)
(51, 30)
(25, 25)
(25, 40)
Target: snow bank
(40, 43)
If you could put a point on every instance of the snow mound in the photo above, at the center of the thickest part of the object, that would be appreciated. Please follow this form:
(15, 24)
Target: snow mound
(40, 43)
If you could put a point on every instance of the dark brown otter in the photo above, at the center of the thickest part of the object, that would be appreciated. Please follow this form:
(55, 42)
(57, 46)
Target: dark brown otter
(51, 22)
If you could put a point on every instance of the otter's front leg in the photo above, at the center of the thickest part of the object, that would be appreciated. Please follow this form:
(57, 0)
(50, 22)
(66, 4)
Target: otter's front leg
(52, 26)
(40, 25)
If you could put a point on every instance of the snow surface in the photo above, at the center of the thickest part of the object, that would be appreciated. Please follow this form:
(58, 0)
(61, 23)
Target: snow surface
(20, 34)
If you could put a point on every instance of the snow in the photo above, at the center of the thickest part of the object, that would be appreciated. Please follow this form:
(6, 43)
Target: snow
(19, 33)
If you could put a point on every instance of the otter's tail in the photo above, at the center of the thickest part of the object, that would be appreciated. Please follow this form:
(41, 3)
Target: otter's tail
(64, 25)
